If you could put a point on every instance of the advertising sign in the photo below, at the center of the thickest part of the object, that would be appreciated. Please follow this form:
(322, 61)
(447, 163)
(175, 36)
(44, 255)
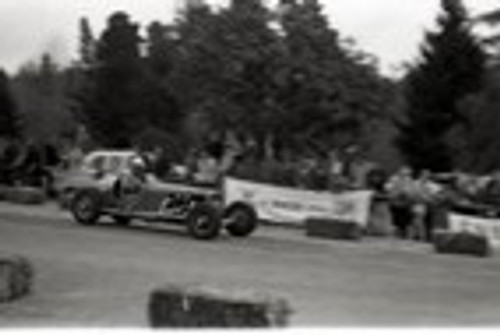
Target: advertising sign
(294, 206)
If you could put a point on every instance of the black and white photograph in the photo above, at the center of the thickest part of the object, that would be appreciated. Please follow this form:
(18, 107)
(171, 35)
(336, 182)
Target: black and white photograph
(249, 164)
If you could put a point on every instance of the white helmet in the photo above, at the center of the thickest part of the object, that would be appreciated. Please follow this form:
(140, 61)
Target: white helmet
(137, 163)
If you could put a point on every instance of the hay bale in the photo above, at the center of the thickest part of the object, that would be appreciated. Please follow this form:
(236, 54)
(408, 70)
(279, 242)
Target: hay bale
(464, 243)
(26, 195)
(334, 229)
(200, 307)
(16, 278)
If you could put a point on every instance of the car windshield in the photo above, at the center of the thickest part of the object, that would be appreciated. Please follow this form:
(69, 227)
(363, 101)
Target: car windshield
(94, 163)
(116, 164)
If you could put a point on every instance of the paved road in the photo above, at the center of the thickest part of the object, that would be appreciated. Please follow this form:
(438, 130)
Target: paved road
(102, 276)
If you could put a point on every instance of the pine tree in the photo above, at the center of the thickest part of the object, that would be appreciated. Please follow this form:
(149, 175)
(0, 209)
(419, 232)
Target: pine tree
(278, 78)
(480, 139)
(255, 56)
(329, 91)
(163, 109)
(41, 89)
(10, 126)
(480, 135)
(87, 43)
(160, 49)
(112, 103)
(450, 68)
(224, 67)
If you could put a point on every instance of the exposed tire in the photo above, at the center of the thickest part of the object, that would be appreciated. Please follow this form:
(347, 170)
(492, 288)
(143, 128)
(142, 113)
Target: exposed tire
(242, 220)
(121, 220)
(203, 222)
(86, 207)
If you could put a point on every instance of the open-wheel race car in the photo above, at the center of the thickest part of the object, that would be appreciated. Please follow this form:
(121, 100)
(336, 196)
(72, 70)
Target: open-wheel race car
(201, 209)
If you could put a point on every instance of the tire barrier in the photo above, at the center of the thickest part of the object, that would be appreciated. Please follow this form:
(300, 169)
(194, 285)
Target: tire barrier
(327, 228)
(175, 306)
(16, 278)
(462, 243)
(23, 195)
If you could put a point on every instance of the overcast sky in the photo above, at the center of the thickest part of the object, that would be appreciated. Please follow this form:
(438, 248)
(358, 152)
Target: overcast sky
(388, 29)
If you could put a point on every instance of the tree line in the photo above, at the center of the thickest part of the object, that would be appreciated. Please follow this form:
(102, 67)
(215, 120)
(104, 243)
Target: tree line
(279, 78)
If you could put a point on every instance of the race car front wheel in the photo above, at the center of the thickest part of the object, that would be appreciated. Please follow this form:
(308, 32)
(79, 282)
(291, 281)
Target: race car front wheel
(203, 222)
(85, 207)
(241, 220)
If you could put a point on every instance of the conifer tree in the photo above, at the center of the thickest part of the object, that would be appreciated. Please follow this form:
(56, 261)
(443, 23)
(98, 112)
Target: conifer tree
(9, 119)
(449, 69)
(112, 105)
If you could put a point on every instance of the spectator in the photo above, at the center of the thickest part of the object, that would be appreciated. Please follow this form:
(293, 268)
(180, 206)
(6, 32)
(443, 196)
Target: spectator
(160, 163)
(350, 156)
(337, 179)
(335, 170)
(246, 166)
(491, 192)
(229, 161)
(130, 183)
(318, 175)
(16, 155)
(32, 170)
(50, 155)
(426, 194)
(207, 169)
(9, 155)
(400, 191)
(358, 168)
(304, 173)
(376, 179)
(50, 161)
(73, 158)
(215, 149)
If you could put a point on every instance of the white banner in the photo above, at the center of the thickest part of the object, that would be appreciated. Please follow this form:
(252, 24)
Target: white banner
(488, 227)
(294, 206)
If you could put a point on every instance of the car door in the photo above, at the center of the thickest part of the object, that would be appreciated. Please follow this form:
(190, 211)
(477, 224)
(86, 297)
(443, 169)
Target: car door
(144, 199)
(163, 199)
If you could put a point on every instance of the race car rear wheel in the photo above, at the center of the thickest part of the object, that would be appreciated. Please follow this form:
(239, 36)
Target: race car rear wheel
(85, 207)
(242, 220)
(203, 222)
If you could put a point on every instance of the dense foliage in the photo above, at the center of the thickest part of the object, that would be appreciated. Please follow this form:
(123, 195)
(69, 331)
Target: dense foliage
(449, 70)
(41, 92)
(9, 118)
(280, 78)
(479, 136)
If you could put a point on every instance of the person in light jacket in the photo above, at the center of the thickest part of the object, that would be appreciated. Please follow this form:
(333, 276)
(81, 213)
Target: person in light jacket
(400, 189)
